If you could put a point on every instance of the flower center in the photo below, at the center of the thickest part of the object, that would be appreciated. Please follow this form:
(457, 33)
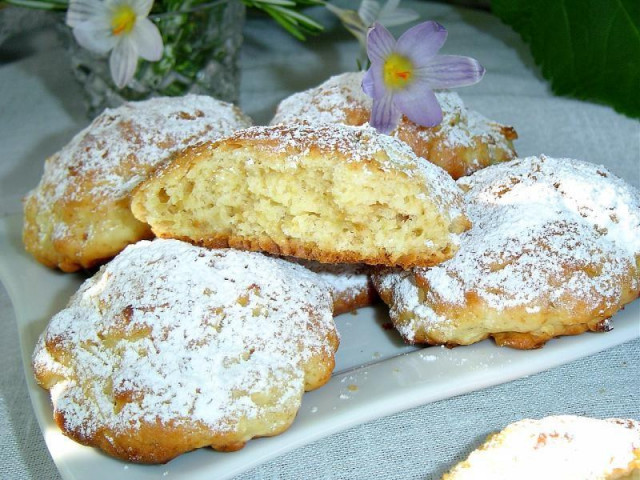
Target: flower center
(397, 71)
(123, 20)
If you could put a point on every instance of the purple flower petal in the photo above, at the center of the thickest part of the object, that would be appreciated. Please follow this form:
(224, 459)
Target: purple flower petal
(419, 104)
(373, 81)
(384, 114)
(368, 83)
(380, 43)
(448, 71)
(422, 42)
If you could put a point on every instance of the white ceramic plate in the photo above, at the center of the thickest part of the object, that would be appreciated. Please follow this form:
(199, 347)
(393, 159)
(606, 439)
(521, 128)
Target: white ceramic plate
(376, 375)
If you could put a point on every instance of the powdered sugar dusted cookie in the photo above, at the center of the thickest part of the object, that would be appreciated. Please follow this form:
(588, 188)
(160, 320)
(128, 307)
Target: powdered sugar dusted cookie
(79, 215)
(464, 142)
(331, 193)
(557, 448)
(172, 347)
(554, 250)
(350, 284)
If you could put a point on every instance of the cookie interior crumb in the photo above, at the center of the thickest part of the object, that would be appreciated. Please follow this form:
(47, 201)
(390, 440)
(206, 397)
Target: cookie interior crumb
(316, 206)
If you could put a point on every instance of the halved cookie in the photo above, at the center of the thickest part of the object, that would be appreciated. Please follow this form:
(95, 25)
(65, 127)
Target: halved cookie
(172, 347)
(79, 215)
(465, 141)
(331, 193)
(554, 250)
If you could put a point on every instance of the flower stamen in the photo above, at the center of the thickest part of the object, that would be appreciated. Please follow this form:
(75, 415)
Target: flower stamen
(123, 20)
(397, 71)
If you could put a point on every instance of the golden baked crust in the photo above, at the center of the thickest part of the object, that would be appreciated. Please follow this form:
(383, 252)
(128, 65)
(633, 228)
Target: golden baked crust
(554, 250)
(79, 215)
(464, 142)
(172, 347)
(331, 193)
(350, 284)
(557, 448)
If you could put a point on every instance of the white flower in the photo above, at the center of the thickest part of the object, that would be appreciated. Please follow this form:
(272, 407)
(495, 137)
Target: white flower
(370, 12)
(117, 26)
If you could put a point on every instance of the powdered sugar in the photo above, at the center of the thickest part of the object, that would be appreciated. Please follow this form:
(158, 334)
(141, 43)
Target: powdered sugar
(122, 146)
(543, 227)
(191, 334)
(545, 232)
(346, 281)
(463, 127)
(406, 298)
(341, 100)
(356, 143)
(327, 103)
(559, 447)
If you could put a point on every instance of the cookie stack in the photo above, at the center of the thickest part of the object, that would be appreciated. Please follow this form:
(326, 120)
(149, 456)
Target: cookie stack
(210, 334)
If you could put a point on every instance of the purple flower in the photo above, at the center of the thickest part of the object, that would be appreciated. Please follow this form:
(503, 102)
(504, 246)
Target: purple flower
(403, 75)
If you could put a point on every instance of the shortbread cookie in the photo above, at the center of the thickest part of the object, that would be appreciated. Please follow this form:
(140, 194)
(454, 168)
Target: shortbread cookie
(464, 142)
(557, 448)
(331, 193)
(172, 347)
(79, 215)
(554, 250)
(350, 284)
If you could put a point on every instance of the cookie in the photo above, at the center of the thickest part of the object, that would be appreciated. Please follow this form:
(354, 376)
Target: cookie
(557, 448)
(350, 284)
(331, 193)
(465, 141)
(554, 250)
(79, 216)
(171, 347)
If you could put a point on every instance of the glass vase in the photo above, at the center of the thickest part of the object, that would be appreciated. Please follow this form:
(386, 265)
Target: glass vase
(200, 55)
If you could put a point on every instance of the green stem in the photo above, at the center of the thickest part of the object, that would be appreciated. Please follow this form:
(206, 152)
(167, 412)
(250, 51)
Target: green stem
(40, 4)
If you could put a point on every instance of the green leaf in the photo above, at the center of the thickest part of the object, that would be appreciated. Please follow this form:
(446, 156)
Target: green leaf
(284, 13)
(589, 49)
